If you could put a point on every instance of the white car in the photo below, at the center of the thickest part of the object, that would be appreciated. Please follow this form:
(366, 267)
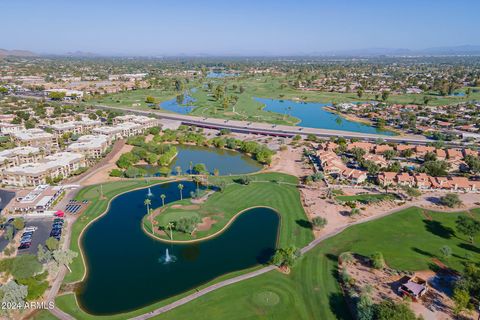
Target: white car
(31, 229)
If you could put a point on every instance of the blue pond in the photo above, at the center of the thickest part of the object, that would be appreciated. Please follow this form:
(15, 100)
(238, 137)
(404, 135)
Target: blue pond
(182, 104)
(227, 162)
(214, 74)
(127, 269)
(313, 115)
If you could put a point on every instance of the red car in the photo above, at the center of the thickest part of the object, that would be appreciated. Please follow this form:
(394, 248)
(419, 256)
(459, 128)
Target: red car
(25, 245)
(59, 213)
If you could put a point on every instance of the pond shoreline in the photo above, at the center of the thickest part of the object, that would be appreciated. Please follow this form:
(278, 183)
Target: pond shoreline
(246, 256)
(213, 235)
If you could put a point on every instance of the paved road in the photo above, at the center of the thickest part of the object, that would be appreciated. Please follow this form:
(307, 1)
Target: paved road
(5, 197)
(55, 288)
(267, 129)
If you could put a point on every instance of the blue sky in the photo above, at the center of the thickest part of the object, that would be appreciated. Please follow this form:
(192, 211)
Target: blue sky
(242, 27)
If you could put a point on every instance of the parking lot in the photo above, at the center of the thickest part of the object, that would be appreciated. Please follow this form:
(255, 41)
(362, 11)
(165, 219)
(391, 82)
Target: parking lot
(44, 226)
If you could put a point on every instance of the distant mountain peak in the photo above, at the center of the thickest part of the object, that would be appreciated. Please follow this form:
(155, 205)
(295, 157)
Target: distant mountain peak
(16, 53)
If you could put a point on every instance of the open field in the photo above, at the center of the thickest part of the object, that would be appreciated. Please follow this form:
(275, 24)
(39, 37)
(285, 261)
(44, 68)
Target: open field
(264, 190)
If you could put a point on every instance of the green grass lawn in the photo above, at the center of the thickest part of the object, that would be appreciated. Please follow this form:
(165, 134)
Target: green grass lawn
(408, 240)
(126, 99)
(44, 315)
(264, 190)
(367, 198)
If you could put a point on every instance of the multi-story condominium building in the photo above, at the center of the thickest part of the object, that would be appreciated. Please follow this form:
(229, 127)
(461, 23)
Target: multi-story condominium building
(16, 156)
(147, 122)
(10, 128)
(35, 138)
(58, 165)
(69, 94)
(92, 146)
(121, 130)
(75, 127)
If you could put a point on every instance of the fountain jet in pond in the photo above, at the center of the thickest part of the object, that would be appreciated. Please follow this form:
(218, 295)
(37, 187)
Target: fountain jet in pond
(149, 194)
(167, 258)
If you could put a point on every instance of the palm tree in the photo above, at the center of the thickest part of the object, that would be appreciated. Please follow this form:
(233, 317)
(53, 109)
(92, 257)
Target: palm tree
(170, 226)
(162, 196)
(178, 169)
(147, 203)
(180, 187)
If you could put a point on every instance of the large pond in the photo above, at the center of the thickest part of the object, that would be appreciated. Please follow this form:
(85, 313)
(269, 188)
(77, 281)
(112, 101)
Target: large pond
(126, 268)
(225, 161)
(313, 115)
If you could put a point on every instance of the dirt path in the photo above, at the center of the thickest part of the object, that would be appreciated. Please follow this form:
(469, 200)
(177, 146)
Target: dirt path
(290, 161)
(100, 172)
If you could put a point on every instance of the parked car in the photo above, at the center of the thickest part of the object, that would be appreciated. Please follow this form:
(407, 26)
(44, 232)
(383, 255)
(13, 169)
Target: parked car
(25, 245)
(31, 229)
(59, 214)
(55, 232)
(58, 220)
(27, 234)
(25, 240)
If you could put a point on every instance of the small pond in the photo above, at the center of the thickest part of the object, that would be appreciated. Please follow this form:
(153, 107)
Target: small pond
(226, 161)
(220, 74)
(183, 103)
